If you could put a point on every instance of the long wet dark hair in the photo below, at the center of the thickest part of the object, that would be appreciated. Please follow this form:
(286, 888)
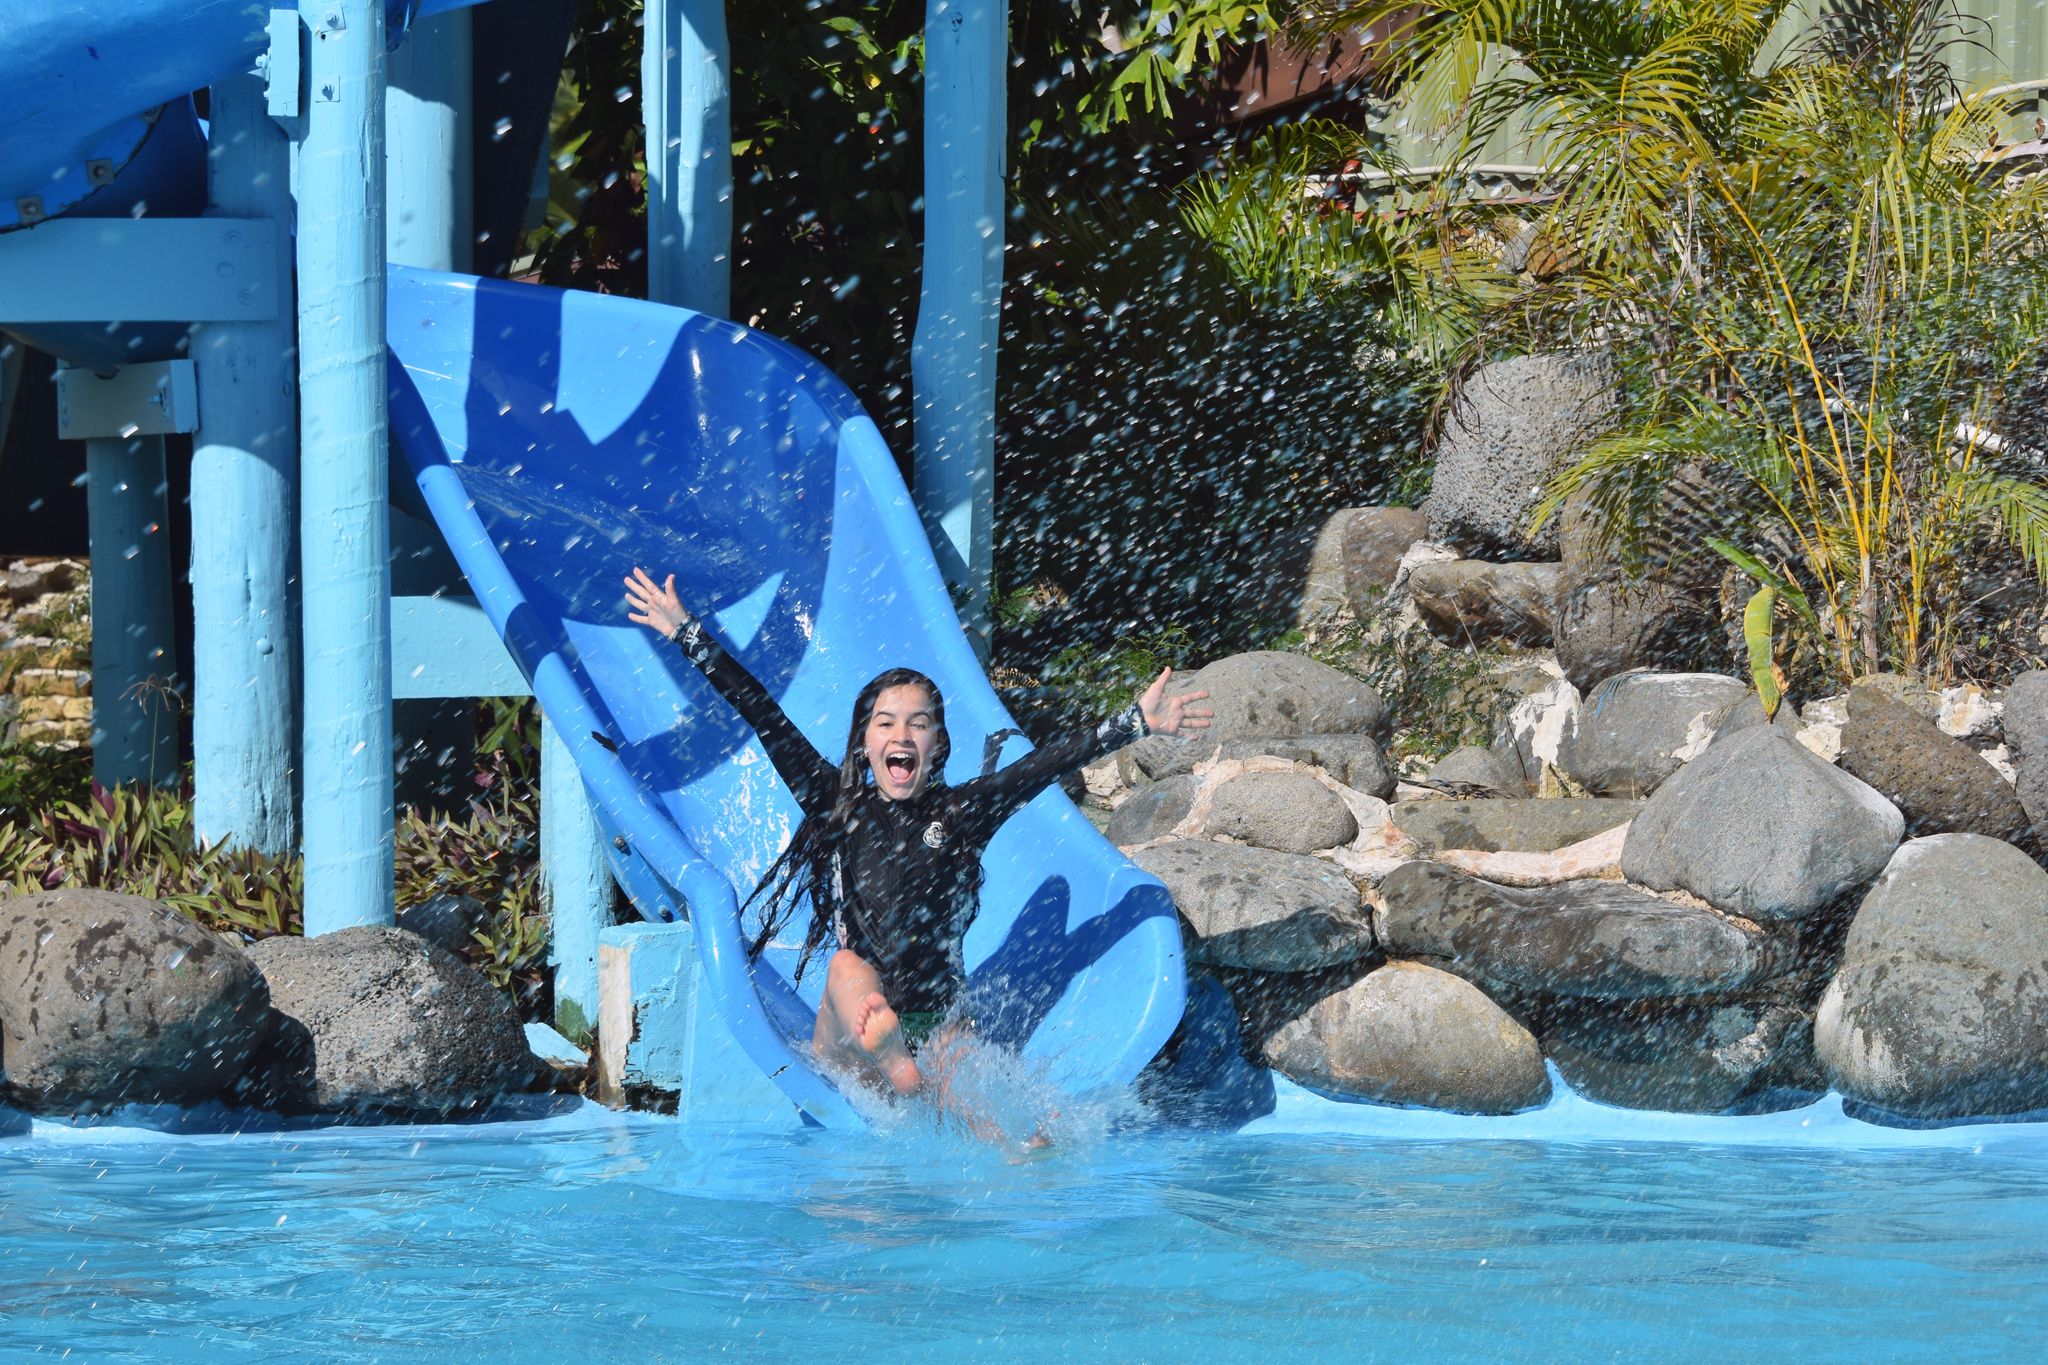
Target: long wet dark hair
(805, 867)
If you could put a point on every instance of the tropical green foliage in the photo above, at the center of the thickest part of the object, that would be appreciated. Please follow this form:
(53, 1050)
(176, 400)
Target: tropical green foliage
(491, 853)
(1441, 697)
(1823, 302)
(68, 831)
(1287, 235)
(140, 841)
(828, 161)
(35, 779)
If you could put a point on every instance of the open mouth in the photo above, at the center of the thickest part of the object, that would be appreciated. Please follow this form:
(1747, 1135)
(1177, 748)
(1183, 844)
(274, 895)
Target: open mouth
(900, 767)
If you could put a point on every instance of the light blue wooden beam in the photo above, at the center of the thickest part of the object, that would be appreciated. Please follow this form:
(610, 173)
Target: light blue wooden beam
(428, 211)
(447, 647)
(134, 655)
(576, 884)
(953, 352)
(245, 477)
(13, 355)
(153, 399)
(427, 217)
(343, 427)
(123, 418)
(141, 270)
(686, 101)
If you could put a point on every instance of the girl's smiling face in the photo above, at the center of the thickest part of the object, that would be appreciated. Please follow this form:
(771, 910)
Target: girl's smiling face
(901, 735)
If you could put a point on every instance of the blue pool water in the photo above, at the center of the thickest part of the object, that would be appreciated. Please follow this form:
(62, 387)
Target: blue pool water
(589, 1235)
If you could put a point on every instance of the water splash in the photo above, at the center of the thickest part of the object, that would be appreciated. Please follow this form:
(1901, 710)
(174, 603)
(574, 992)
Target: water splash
(984, 1095)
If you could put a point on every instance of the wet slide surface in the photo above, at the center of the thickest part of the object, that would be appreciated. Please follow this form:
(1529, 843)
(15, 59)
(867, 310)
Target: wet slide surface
(561, 438)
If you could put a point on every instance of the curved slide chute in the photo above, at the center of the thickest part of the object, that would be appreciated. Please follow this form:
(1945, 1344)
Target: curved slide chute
(560, 438)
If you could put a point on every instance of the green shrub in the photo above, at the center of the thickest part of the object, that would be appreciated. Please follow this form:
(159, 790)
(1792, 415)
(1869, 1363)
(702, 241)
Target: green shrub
(34, 779)
(142, 842)
(1440, 696)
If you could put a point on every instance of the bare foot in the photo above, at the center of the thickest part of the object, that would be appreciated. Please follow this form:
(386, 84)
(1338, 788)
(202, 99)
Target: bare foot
(876, 1028)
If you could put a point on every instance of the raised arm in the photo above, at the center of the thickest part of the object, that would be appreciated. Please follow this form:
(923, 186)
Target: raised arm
(1001, 792)
(811, 777)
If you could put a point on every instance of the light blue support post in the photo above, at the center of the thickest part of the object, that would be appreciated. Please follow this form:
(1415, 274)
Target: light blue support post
(245, 458)
(427, 223)
(12, 356)
(122, 417)
(343, 425)
(686, 100)
(576, 884)
(953, 355)
(135, 722)
(427, 214)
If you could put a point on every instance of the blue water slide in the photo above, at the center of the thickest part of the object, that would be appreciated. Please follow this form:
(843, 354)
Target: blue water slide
(85, 81)
(560, 438)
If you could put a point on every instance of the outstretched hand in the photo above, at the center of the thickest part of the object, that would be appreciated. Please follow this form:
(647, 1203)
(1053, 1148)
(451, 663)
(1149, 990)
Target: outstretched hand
(1166, 715)
(655, 606)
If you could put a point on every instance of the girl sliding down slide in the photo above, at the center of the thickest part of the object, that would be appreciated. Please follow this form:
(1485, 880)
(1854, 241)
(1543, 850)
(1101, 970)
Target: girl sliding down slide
(888, 853)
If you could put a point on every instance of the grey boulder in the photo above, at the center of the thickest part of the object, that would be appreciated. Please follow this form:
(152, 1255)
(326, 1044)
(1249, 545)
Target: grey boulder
(1940, 1007)
(447, 921)
(1512, 427)
(1356, 761)
(1634, 730)
(1513, 825)
(1612, 618)
(1268, 694)
(1289, 812)
(1299, 581)
(375, 1020)
(108, 999)
(2026, 736)
(1405, 1033)
(1531, 731)
(1761, 827)
(1939, 784)
(1152, 810)
(1474, 766)
(1688, 1057)
(1578, 938)
(1375, 539)
(1252, 907)
(1749, 712)
(1469, 601)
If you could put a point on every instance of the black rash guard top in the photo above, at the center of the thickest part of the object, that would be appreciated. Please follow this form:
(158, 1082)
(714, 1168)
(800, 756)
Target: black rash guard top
(903, 887)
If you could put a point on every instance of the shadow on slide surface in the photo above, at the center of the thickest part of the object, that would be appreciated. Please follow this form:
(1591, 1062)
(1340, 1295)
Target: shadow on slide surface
(560, 438)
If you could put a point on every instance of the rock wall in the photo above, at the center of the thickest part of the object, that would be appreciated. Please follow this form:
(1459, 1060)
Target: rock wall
(45, 654)
(1700, 911)
(108, 999)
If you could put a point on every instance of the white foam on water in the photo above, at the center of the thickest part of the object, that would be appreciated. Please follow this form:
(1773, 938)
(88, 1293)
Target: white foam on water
(984, 1095)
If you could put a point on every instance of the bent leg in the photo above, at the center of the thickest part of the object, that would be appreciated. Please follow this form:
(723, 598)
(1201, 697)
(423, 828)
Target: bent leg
(857, 1028)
